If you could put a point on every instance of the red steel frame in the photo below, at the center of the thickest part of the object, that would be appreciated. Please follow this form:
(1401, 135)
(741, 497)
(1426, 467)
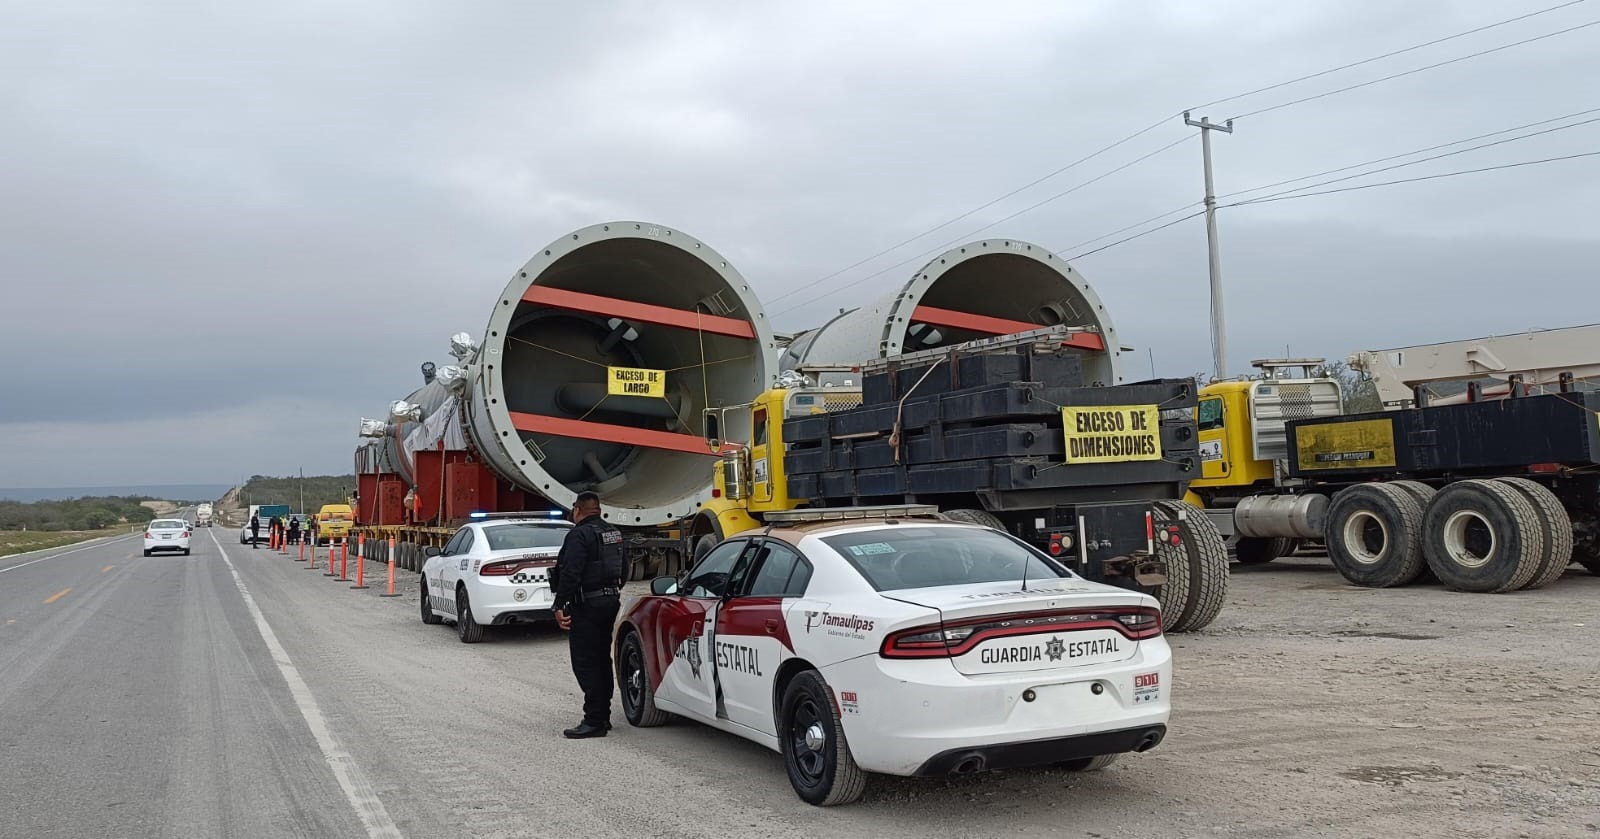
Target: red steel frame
(935, 316)
(560, 298)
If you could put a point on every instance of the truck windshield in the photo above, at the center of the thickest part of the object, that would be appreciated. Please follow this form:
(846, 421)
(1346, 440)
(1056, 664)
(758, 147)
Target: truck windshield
(516, 537)
(899, 557)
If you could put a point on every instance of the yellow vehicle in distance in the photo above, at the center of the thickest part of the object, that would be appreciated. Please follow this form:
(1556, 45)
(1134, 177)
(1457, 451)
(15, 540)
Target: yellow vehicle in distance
(334, 522)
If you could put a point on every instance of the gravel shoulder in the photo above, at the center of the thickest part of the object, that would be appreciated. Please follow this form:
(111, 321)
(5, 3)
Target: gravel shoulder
(1309, 708)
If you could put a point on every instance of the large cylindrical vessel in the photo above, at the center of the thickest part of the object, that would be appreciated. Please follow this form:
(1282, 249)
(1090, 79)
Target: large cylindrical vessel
(980, 290)
(546, 405)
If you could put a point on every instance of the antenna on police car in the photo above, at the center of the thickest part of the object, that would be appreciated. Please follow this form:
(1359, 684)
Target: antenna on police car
(1027, 559)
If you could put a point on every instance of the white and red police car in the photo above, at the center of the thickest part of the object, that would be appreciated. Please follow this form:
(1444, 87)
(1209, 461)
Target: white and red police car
(495, 570)
(898, 643)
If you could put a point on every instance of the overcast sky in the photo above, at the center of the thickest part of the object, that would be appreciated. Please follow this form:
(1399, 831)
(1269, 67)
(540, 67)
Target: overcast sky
(229, 230)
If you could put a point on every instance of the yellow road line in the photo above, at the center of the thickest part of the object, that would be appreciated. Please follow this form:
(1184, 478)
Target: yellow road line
(57, 596)
(107, 568)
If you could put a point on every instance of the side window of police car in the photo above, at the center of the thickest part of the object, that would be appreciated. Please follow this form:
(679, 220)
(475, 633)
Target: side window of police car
(710, 578)
(783, 573)
(454, 545)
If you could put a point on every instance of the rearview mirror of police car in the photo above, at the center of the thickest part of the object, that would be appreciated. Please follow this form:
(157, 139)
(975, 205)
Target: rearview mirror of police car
(431, 551)
(664, 585)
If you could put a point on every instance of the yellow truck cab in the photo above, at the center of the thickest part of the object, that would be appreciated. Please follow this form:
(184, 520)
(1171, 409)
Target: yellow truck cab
(1242, 426)
(749, 480)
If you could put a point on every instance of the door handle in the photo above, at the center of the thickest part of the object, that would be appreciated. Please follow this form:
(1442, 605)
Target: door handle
(772, 626)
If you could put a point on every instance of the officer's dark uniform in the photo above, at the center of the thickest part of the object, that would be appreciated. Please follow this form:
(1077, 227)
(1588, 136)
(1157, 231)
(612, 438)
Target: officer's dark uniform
(588, 581)
(255, 530)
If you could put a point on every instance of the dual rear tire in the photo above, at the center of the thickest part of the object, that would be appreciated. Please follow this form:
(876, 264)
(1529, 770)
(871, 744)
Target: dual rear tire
(1491, 536)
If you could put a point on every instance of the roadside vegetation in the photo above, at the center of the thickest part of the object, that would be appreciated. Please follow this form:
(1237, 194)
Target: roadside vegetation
(22, 541)
(317, 490)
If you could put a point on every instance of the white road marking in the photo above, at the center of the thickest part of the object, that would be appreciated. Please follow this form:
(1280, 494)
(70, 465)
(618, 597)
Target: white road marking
(357, 788)
(97, 543)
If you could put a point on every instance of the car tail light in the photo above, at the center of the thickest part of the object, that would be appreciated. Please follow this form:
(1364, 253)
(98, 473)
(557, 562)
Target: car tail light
(955, 638)
(147, 534)
(509, 567)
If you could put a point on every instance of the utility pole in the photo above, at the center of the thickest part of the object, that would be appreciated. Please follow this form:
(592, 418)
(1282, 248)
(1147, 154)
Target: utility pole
(1219, 338)
(302, 490)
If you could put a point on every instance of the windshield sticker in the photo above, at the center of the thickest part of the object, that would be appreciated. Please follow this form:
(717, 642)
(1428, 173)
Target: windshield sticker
(872, 549)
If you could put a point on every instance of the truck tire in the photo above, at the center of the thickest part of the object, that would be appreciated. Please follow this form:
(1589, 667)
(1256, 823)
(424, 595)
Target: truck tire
(702, 546)
(979, 517)
(1557, 527)
(1173, 595)
(1483, 536)
(1204, 554)
(1260, 551)
(1374, 535)
(633, 680)
(815, 753)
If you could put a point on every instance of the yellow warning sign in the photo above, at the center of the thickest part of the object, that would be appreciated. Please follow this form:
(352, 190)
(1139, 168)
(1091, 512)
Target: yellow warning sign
(1345, 445)
(635, 381)
(1112, 433)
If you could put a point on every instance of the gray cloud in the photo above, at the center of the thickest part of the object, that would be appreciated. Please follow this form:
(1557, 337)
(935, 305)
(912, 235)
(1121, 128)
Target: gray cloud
(286, 208)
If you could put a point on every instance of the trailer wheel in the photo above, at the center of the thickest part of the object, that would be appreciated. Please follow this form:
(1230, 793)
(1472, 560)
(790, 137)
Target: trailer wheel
(703, 546)
(1203, 554)
(979, 517)
(1374, 535)
(1260, 551)
(1483, 536)
(1557, 526)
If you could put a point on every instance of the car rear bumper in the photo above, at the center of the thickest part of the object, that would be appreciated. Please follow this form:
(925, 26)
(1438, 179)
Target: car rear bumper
(498, 603)
(166, 545)
(1041, 752)
(909, 715)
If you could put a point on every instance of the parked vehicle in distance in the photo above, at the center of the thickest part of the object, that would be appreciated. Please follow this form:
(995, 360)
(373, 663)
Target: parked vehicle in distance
(166, 535)
(265, 513)
(494, 571)
(820, 635)
(333, 522)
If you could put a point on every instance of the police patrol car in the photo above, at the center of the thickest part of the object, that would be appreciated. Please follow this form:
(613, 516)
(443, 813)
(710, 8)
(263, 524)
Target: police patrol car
(495, 570)
(888, 640)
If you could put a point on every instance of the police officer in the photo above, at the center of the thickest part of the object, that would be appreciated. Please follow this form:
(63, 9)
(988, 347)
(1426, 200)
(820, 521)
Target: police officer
(588, 585)
(255, 530)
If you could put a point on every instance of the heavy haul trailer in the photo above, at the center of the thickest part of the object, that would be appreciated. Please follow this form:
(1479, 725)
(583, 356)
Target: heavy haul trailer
(1000, 432)
(1489, 496)
(1369, 484)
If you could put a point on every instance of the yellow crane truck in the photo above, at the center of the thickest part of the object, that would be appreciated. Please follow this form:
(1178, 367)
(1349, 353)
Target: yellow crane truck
(1000, 432)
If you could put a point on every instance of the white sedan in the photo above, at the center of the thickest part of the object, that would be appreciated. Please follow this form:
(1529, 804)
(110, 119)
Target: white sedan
(494, 571)
(166, 535)
(899, 646)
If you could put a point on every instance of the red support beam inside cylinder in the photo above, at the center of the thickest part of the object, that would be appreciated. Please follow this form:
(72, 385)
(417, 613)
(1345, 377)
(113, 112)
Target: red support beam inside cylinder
(631, 310)
(625, 434)
(934, 316)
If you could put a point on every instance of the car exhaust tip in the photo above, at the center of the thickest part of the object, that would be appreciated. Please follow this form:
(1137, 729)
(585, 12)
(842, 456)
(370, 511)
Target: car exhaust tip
(1150, 740)
(969, 765)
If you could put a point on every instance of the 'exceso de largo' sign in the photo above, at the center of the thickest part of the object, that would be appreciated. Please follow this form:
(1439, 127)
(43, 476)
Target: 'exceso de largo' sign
(635, 381)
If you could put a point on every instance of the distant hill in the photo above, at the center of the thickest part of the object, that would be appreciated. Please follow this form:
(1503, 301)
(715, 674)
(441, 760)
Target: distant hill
(169, 492)
(317, 490)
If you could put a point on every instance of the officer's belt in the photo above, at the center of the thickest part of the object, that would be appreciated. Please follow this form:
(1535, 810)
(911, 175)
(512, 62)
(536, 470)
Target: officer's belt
(600, 592)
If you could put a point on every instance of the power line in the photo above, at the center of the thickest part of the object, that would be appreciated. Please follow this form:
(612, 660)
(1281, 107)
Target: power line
(958, 240)
(1414, 180)
(1195, 214)
(1425, 160)
(1415, 70)
(980, 208)
(1409, 153)
(1129, 227)
(1392, 54)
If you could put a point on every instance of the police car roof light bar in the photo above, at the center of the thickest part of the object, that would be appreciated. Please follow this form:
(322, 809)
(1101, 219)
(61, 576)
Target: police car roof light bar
(885, 511)
(524, 514)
